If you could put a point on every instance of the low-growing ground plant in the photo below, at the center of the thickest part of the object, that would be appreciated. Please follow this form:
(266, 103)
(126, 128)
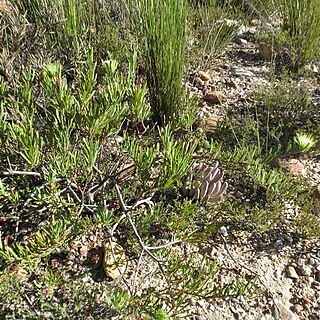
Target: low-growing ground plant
(280, 112)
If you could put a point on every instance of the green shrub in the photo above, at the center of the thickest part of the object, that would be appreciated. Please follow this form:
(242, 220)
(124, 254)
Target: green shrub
(163, 41)
(301, 28)
(280, 111)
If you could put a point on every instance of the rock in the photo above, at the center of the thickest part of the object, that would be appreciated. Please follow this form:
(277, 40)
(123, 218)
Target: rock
(240, 41)
(242, 29)
(213, 97)
(313, 68)
(224, 231)
(311, 261)
(239, 72)
(283, 313)
(198, 82)
(317, 276)
(291, 273)
(310, 279)
(304, 270)
(115, 260)
(210, 124)
(296, 167)
(278, 245)
(297, 308)
(204, 76)
(265, 51)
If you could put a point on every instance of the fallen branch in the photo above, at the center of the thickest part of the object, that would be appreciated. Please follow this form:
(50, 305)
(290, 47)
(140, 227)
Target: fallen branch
(19, 173)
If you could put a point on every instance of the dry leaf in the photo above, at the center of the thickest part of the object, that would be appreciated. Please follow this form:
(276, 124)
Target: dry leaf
(115, 261)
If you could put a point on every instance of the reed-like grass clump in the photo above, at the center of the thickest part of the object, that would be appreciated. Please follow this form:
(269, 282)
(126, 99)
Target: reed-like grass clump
(163, 41)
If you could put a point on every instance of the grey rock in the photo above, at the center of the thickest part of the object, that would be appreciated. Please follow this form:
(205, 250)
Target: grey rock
(224, 231)
(311, 261)
(239, 72)
(240, 41)
(278, 245)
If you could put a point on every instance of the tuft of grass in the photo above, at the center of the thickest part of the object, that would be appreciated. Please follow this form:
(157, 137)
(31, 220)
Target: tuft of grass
(211, 29)
(301, 28)
(162, 30)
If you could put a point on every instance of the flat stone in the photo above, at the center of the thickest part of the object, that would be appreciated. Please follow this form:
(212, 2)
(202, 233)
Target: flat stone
(204, 76)
(296, 167)
(240, 41)
(292, 273)
(213, 97)
(239, 72)
(265, 51)
(283, 313)
(210, 124)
